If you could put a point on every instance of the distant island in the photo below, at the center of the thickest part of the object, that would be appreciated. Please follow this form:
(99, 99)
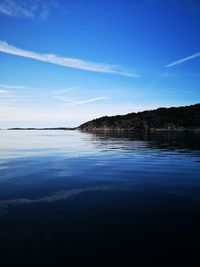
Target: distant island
(57, 128)
(185, 118)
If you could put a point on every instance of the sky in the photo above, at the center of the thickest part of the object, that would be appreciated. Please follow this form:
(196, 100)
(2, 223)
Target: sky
(64, 62)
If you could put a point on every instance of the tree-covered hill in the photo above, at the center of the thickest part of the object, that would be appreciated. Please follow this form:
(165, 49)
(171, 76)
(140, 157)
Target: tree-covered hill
(174, 118)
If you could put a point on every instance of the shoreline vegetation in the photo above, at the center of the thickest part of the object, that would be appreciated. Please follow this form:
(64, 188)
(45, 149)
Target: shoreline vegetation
(174, 119)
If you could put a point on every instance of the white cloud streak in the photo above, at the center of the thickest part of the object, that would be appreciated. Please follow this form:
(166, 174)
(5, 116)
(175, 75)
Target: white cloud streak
(66, 90)
(81, 101)
(62, 98)
(90, 100)
(66, 62)
(7, 86)
(21, 87)
(180, 61)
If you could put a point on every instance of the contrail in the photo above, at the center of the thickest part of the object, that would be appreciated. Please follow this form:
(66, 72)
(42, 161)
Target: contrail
(180, 61)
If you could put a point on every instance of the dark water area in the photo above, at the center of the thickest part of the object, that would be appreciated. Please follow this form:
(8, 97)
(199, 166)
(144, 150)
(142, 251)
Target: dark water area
(69, 198)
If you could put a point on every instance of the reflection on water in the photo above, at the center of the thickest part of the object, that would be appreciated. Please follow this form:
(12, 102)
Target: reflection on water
(73, 143)
(116, 197)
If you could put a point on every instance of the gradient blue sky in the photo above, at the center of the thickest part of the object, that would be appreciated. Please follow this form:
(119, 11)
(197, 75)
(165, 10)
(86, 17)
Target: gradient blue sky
(65, 62)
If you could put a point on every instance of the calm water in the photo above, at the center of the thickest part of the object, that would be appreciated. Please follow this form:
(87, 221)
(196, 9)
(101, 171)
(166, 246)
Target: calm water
(79, 199)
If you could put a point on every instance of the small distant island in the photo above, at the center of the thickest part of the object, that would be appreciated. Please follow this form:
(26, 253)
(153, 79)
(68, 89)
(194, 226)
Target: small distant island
(57, 128)
(186, 118)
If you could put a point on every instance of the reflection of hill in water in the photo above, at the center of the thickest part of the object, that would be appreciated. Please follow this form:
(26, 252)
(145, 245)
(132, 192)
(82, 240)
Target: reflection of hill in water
(136, 140)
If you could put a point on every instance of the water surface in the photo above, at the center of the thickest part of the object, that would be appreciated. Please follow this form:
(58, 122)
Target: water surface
(69, 198)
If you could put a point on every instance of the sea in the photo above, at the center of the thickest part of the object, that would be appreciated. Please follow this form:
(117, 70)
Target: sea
(78, 199)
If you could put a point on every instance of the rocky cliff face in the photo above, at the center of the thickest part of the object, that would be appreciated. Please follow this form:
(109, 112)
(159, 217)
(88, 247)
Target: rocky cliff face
(171, 119)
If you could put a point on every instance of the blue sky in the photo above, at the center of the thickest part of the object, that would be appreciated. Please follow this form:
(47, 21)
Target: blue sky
(65, 62)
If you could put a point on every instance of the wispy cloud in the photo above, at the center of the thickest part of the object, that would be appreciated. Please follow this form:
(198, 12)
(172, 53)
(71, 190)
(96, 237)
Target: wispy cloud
(12, 86)
(66, 90)
(90, 100)
(28, 8)
(66, 62)
(180, 61)
(13, 9)
(25, 9)
(19, 95)
(68, 100)
(64, 99)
